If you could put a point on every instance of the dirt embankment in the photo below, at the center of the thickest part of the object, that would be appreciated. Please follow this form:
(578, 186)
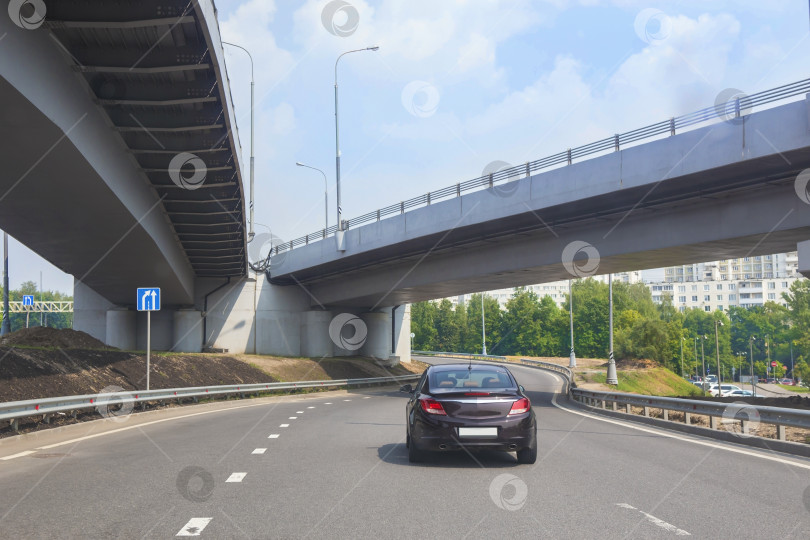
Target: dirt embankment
(46, 362)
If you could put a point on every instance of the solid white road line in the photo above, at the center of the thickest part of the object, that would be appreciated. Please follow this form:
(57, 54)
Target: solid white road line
(236, 477)
(284, 425)
(273, 436)
(259, 451)
(194, 527)
(664, 433)
(21, 454)
(656, 521)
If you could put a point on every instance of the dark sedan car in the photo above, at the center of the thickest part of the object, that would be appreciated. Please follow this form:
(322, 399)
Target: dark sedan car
(471, 406)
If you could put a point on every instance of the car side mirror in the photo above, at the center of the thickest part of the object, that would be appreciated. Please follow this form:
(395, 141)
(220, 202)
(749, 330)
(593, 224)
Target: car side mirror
(406, 388)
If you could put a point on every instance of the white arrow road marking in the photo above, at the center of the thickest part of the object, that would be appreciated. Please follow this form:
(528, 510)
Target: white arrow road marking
(284, 425)
(259, 451)
(236, 477)
(273, 436)
(194, 527)
(656, 521)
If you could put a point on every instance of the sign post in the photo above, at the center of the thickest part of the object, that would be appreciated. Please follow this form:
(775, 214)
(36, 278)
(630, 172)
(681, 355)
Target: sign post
(148, 300)
(28, 301)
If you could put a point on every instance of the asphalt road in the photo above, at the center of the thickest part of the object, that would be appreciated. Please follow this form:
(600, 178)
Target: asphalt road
(339, 469)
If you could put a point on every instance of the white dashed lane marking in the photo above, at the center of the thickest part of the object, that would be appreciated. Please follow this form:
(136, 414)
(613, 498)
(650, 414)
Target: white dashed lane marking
(293, 417)
(273, 436)
(259, 451)
(284, 425)
(194, 527)
(656, 521)
(328, 403)
(367, 397)
(236, 477)
(346, 400)
(310, 407)
(299, 412)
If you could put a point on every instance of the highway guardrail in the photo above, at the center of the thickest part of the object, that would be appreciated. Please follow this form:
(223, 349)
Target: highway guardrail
(14, 410)
(741, 415)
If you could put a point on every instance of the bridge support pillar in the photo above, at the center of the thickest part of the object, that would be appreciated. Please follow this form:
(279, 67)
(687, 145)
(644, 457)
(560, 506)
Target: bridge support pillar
(315, 340)
(378, 339)
(803, 248)
(187, 330)
(121, 328)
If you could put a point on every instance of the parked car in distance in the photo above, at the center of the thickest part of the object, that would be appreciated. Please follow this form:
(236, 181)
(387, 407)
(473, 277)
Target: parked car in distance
(742, 393)
(725, 388)
(788, 382)
(711, 379)
(469, 406)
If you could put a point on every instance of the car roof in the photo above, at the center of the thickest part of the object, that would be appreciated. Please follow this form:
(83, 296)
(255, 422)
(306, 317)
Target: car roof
(473, 367)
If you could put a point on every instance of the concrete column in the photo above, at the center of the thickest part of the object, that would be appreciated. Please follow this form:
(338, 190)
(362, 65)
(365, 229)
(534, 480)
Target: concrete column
(804, 258)
(90, 311)
(402, 333)
(315, 341)
(187, 332)
(378, 339)
(121, 329)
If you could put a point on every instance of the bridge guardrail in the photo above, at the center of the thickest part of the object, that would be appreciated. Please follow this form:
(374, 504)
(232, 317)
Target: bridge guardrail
(14, 410)
(465, 356)
(740, 106)
(737, 413)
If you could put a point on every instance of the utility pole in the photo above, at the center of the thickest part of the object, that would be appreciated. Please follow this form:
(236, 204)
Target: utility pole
(718, 323)
(682, 373)
(696, 362)
(703, 358)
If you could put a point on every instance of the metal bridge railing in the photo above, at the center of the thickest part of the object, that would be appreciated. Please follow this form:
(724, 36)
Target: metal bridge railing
(721, 112)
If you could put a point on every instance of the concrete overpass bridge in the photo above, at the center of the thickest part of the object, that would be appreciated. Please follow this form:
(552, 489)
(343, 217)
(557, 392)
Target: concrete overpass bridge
(121, 157)
(729, 187)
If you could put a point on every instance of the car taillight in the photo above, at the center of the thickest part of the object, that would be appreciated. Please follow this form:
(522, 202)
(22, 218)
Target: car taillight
(431, 406)
(520, 406)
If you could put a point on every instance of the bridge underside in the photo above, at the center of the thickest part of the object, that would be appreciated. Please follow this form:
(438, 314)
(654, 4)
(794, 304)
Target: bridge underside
(718, 192)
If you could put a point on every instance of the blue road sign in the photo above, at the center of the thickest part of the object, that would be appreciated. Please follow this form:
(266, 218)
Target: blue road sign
(148, 299)
(28, 299)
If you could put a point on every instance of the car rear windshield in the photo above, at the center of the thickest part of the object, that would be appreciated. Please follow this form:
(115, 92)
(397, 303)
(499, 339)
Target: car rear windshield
(464, 380)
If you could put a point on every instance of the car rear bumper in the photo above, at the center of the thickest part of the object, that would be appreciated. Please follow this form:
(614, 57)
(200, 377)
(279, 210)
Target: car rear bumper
(443, 434)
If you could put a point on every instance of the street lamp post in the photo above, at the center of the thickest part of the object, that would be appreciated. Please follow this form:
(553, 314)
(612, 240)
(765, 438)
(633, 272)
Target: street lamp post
(768, 351)
(6, 325)
(682, 373)
(325, 193)
(251, 234)
(696, 362)
(483, 327)
(572, 360)
(611, 378)
(339, 231)
(717, 324)
(751, 358)
(703, 359)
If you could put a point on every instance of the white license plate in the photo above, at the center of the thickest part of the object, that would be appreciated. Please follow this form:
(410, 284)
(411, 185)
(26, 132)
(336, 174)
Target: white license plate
(477, 432)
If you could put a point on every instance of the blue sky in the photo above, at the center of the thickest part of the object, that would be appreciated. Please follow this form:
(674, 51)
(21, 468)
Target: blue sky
(458, 84)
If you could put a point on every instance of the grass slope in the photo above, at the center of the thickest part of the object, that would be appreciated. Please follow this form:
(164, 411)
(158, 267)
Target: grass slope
(797, 389)
(657, 381)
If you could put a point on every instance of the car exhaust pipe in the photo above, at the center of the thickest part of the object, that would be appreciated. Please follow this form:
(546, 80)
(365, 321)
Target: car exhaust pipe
(442, 447)
(512, 446)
